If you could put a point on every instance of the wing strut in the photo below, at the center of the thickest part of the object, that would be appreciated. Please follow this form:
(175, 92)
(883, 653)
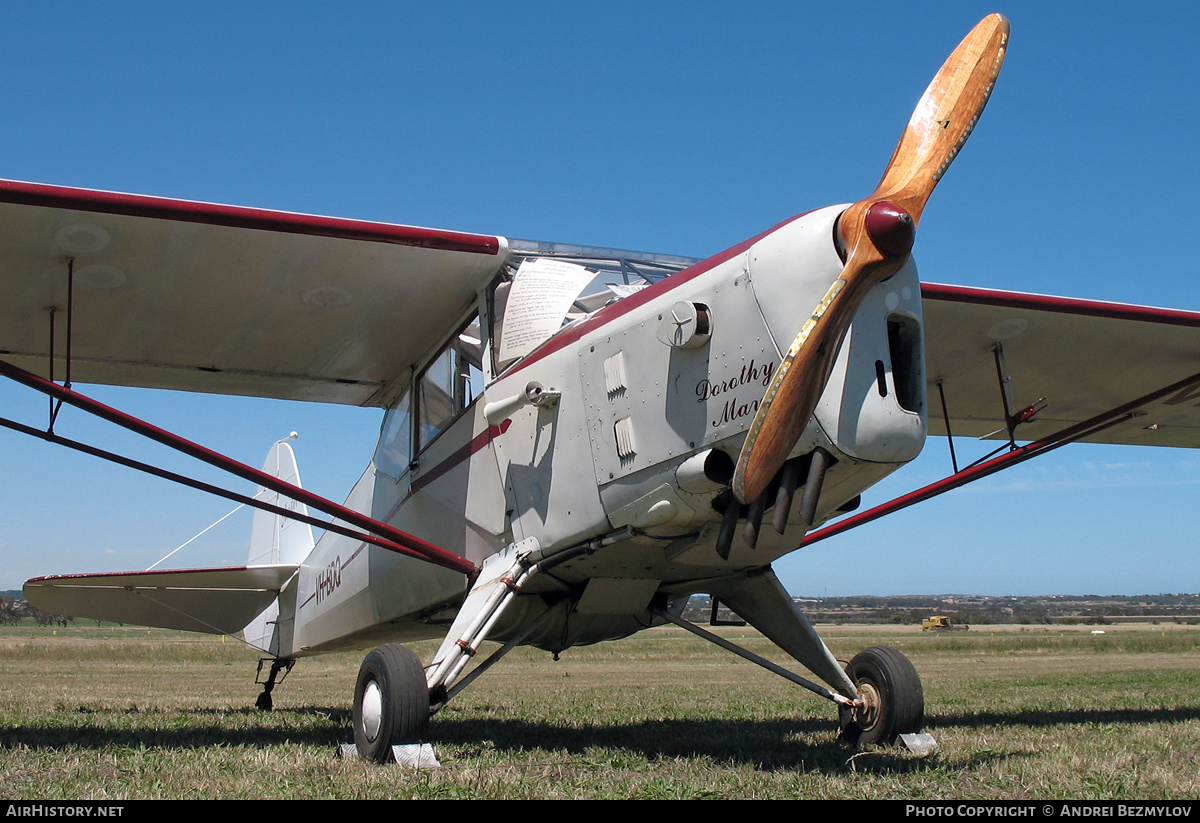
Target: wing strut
(949, 431)
(200, 485)
(1011, 419)
(54, 407)
(1018, 454)
(394, 539)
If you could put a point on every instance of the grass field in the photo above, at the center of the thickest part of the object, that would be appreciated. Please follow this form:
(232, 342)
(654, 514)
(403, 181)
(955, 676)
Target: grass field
(1018, 713)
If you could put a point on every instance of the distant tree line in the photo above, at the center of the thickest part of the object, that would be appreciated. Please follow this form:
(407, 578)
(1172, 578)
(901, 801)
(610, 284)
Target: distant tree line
(982, 611)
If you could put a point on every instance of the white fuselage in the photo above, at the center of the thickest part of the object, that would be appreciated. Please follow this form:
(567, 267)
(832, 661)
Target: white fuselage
(624, 448)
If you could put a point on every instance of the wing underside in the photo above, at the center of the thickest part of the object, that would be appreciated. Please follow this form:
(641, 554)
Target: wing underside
(183, 295)
(1085, 358)
(215, 601)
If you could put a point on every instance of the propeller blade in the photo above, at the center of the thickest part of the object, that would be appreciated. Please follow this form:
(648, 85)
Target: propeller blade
(877, 234)
(944, 117)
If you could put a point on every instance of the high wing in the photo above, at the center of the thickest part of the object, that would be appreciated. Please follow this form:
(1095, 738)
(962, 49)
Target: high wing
(184, 295)
(216, 601)
(1084, 357)
(202, 297)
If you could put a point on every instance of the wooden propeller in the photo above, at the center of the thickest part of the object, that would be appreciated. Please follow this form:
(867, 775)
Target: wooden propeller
(876, 235)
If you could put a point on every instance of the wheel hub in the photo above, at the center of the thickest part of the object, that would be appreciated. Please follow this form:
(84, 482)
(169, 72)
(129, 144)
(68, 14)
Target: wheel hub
(867, 713)
(372, 710)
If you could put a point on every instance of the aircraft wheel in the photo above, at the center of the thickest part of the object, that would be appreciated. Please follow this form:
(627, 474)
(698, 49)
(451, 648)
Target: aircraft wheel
(894, 703)
(391, 702)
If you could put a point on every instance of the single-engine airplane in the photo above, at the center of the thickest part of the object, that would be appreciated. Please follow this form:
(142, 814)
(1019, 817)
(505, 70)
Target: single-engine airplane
(576, 440)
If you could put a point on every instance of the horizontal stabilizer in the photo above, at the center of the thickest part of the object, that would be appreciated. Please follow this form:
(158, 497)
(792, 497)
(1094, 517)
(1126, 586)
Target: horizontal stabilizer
(216, 601)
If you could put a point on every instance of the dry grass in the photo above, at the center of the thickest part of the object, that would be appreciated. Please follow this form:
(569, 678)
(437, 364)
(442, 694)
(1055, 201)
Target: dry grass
(122, 713)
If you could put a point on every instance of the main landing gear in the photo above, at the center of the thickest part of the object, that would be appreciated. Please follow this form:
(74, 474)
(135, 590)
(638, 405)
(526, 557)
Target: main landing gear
(879, 695)
(891, 701)
(391, 702)
(394, 698)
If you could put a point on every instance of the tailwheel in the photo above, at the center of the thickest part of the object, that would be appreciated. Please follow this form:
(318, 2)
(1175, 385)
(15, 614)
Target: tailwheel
(265, 702)
(391, 702)
(893, 702)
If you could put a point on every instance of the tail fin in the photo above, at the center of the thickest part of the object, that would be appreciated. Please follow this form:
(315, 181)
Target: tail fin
(275, 539)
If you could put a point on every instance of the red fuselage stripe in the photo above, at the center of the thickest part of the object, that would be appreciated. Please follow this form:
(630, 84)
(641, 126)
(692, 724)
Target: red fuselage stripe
(612, 312)
(477, 443)
(345, 564)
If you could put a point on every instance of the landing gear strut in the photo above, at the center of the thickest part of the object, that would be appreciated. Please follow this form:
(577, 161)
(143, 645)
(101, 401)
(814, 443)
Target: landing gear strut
(889, 702)
(893, 702)
(391, 702)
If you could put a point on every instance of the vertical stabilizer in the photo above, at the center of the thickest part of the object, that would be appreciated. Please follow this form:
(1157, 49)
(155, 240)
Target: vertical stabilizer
(273, 538)
(276, 539)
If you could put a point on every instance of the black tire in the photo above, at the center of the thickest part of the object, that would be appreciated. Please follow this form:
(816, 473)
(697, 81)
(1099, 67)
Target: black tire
(895, 702)
(391, 702)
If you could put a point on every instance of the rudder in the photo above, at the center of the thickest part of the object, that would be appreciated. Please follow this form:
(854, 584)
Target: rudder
(275, 539)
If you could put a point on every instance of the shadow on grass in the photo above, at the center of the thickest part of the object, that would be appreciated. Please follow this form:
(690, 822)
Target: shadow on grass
(91, 728)
(783, 744)
(776, 745)
(1063, 717)
(768, 745)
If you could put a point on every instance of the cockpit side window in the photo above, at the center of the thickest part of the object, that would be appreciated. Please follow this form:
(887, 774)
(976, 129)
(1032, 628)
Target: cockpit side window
(450, 383)
(394, 452)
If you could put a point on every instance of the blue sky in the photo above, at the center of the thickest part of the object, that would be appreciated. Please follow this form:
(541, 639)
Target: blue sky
(672, 127)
